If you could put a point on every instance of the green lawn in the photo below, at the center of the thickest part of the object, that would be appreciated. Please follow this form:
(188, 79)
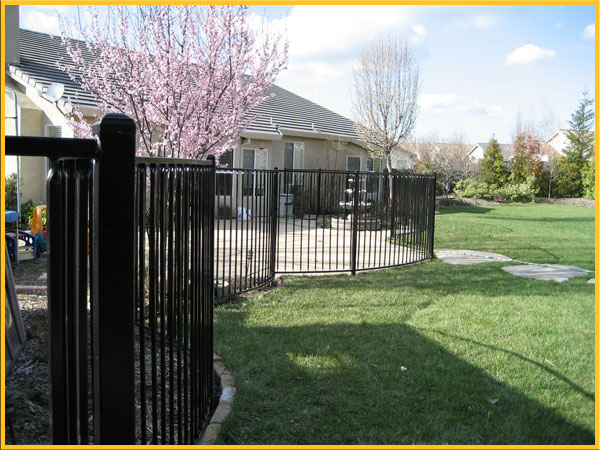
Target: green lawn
(429, 353)
(540, 233)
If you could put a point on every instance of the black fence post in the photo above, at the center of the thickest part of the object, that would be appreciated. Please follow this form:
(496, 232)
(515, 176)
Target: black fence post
(57, 363)
(113, 253)
(319, 192)
(433, 185)
(274, 220)
(392, 183)
(354, 222)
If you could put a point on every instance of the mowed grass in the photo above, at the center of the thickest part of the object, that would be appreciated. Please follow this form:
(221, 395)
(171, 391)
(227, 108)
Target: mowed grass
(426, 354)
(540, 233)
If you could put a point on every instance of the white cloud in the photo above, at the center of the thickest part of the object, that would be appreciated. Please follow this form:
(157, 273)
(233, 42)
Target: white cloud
(589, 32)
(452, 104)
(528, 53)
(324, 41)
(478, 21)
(483, 22)
(328, 29)
(420, 30)
(40, 21)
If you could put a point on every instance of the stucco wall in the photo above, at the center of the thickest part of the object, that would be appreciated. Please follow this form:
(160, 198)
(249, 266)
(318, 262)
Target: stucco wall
(318, 153)
(32, 121)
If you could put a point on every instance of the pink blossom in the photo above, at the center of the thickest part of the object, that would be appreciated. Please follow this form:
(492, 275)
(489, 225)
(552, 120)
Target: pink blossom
(188, 75)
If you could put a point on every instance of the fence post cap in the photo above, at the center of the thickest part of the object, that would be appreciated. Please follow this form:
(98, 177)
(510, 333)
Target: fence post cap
(212, 158)
(121, 123)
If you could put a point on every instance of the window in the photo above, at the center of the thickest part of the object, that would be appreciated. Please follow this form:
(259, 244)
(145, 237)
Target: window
(353, 163)
(373, 180)
(253, 159)
(225, 177)
(293, 158)
(53, 131)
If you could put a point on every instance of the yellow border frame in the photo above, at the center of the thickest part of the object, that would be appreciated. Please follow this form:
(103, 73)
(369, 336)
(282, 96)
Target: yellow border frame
(315, 2)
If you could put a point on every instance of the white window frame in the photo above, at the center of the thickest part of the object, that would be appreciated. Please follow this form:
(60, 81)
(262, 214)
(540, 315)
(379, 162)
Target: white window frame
(254, 150)
(294, 143)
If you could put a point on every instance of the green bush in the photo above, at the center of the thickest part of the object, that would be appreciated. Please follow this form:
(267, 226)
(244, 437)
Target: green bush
(27, 210)
(474, 188)
(514, 192)
(588, 178)
(568, 183)
(10, 192)
(518, 192)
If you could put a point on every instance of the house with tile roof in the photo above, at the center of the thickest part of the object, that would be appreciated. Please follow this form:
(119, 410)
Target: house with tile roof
(288, 131)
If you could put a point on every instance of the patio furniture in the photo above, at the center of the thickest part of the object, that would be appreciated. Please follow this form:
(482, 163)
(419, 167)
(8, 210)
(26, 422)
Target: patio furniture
(18, 251)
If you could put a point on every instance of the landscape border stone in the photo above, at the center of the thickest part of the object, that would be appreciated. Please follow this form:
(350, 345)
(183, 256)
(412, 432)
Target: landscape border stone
(225, 405)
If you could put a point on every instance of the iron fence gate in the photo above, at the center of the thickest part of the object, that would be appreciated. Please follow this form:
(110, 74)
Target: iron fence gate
(309, 221)
(116, 330)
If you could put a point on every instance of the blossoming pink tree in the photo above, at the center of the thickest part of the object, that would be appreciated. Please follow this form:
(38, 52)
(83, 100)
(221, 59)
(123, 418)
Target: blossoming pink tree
(188, 75)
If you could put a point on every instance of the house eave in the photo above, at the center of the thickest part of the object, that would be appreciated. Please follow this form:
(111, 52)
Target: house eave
(261, 135)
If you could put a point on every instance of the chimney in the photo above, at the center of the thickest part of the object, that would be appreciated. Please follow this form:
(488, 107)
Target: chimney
(11, 34)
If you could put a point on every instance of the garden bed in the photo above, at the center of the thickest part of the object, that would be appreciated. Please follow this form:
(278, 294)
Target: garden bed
(29, 377)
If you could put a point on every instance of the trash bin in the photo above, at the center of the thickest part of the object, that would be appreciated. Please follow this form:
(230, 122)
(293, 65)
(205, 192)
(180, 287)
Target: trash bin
(286, 205)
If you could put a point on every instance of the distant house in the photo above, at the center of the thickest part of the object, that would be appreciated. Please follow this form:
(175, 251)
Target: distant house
(559, 141)
(289, 131)
(404, 157)
(477, 152)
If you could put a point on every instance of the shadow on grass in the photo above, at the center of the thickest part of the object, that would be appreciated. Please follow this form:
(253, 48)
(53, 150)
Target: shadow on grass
(464, 209)
(554, 373)
(345, 384)
(553, 220)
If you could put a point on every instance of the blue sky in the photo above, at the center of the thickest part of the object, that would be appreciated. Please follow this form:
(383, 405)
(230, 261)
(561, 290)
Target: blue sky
(480, 65)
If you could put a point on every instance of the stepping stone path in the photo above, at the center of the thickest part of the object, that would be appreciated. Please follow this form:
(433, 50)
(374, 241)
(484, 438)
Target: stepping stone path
(548, 272)
(467, 257)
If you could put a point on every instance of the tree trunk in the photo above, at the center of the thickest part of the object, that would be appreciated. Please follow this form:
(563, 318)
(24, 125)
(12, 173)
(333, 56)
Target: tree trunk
(388, 164)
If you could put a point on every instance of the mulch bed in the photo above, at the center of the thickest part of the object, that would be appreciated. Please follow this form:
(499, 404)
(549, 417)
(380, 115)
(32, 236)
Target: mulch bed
(28, 378)
(456, 201)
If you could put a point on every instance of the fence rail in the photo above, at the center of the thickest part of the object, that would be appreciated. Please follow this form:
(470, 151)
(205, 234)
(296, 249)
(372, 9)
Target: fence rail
(309, 221)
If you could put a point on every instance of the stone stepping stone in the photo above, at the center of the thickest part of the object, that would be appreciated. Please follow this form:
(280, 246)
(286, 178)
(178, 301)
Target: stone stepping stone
(549, 272)
(466, 257)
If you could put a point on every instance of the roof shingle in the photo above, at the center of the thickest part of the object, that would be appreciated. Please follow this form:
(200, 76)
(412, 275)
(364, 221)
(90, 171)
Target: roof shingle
(39, 53)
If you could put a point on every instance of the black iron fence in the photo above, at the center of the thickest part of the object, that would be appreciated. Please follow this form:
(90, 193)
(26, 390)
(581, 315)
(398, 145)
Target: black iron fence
(174, 297)
(130, 275)
(308, 221)
(139, 247)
